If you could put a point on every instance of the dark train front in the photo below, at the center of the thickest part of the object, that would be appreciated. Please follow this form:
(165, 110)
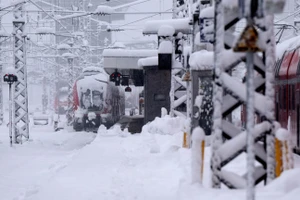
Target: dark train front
(96, 101)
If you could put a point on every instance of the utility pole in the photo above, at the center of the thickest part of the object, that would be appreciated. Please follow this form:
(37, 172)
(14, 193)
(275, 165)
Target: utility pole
(257, 55)
(297, 16)
(1, 74)
(71, 79)
(20, 120)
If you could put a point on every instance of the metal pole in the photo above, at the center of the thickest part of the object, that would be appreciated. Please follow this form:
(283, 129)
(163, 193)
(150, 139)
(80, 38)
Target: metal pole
(10, 115)
(70, 91)
(1, 88)
(250, 125)
(270, 93)
(218, 94)
(21, 120)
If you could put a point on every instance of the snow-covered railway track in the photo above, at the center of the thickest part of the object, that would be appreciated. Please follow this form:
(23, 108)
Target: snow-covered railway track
(25, 168)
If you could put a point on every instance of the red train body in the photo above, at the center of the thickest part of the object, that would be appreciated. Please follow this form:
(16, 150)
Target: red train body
(287, 89)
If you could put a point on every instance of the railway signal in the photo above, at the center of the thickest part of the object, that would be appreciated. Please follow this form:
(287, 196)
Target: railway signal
(10, 79)
(116, 77)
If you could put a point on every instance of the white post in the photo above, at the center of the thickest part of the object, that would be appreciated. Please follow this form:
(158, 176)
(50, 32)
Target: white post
(198, 138)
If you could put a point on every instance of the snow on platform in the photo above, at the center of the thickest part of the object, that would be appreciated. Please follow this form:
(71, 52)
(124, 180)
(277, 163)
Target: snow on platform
(115, 165)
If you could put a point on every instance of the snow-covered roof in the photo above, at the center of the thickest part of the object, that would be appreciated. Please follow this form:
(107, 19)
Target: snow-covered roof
(201, 60)
(207, 12)
(289, 44)
(93, 69)
(93, 82)
(125, 58)
(180, 25)
(146, 62)
(129, 53)
(166, 30)
(165, 47)
(153, 61)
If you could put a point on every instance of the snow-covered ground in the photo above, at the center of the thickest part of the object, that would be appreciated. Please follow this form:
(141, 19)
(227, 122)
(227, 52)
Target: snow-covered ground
(114, 165)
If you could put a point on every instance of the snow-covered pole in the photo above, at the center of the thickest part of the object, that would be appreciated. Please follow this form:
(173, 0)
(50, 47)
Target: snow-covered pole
(174, 9)
(1, 88)
(198, 138)
(270, 94)
(218, 94)
(250, 112)
(250, 125)
(81, 19)
(21, 120)
(70, 59)
(297, 16)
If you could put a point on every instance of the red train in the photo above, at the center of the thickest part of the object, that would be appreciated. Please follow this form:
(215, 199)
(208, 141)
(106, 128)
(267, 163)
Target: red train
(287, 88)
(96, 100)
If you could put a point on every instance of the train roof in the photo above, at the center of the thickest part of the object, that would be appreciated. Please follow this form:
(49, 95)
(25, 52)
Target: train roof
(92, 82)
(287, 45)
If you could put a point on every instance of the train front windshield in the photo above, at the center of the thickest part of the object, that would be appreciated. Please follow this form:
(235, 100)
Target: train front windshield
(92, 100)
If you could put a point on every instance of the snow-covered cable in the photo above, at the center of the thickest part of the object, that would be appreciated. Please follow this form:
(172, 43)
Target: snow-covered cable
(50, 16)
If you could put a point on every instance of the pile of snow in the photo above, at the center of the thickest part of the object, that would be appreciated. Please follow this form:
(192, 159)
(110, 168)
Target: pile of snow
(104, 10)
(286, 183)
(166, 30)
(165, 47)
(208, 12)
(179, 25)
(129, 53)
(165, 126)
(153, 61)
(202, 60)
(147, 62)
